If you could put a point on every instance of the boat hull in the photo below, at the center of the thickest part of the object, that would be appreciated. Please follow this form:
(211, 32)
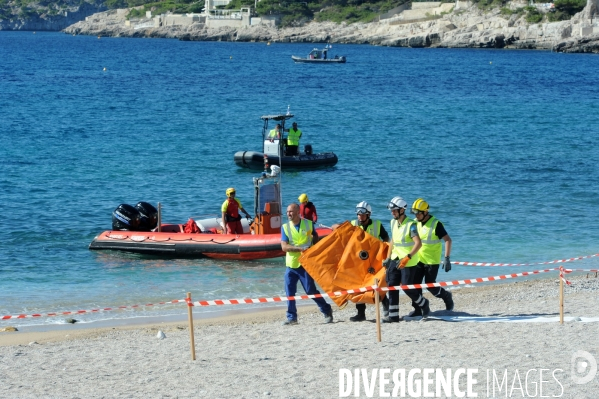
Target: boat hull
(255, 160)
(183, 245)
(339, 60)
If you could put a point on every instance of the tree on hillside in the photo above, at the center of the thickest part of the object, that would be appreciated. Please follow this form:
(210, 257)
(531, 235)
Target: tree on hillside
(570, 6)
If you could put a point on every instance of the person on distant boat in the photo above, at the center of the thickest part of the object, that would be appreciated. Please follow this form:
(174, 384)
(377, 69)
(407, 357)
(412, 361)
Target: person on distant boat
(375, 228)
(432, 233)
(275, 133)
(307, 208)
(230, 213)
(293, 138)
(296, 236)
(401, 264)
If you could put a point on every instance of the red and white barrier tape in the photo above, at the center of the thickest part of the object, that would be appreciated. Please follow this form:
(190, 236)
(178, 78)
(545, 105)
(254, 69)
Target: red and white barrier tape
(469, 281)
(581, 270)
(561, 274)
(281, 298)
(371, 288)
(24, 316)
(525, 264)
(300, 297)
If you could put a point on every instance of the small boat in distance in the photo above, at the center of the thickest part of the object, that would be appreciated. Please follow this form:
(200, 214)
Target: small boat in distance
(320, 56)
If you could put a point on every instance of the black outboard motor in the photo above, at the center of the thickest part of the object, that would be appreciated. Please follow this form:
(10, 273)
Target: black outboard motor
(125, 217)
(308, 149)
(149, 216)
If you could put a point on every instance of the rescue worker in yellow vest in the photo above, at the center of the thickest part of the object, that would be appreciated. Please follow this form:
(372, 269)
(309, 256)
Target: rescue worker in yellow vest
(275, 133)
(374, 228)
(432, 233)
(403, 258)
(296, 236)
(293, 138)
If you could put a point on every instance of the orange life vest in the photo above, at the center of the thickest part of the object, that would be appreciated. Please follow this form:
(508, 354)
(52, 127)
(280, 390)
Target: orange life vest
(233, 210)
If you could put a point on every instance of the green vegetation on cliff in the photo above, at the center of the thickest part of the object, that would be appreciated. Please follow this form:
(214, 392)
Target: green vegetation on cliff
(293, 12)
(27, 9)
(563, 10)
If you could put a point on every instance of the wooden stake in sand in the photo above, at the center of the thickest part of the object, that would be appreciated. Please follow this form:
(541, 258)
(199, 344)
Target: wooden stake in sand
(190, 317)
(378, 311)
(561, 295)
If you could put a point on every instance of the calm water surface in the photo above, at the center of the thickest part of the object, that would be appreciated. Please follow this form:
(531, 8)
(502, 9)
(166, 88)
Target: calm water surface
(502, 144)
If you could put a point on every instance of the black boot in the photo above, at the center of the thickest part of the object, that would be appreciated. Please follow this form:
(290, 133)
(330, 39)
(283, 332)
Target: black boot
(448, 299)
(426, 310)
(361, 316)
(391, 319)
(416, 312)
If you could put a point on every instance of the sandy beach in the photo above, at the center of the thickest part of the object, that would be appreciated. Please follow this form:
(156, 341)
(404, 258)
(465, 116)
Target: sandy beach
(255, 356)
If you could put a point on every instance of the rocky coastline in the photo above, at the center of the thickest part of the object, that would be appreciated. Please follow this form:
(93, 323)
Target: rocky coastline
(468, 27)
(52, 23)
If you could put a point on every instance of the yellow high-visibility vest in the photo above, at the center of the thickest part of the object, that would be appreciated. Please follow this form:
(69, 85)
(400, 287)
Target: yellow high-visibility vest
(402, 240)
(374, 229)
(430, 253)
(298, 238)
(293, 137)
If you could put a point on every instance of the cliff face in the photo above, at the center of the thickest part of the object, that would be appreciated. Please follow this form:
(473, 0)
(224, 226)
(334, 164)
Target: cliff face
(469, 27)
(46, 22)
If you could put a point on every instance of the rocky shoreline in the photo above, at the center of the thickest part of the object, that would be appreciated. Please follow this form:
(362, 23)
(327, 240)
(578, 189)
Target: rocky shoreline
(466, 28)
(52, 23)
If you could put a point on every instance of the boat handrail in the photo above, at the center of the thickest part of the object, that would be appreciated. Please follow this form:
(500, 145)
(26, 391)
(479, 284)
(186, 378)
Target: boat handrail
(206, 215)
(277, 117)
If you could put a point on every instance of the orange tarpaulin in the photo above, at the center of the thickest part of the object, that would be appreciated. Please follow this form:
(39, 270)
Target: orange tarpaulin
(346, 259)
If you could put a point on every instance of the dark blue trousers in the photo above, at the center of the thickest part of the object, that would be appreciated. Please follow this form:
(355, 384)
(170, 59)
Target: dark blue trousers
(292, 276)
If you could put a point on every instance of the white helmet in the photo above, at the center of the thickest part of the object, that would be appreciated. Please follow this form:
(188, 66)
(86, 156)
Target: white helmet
(363, 207)
(396, 203)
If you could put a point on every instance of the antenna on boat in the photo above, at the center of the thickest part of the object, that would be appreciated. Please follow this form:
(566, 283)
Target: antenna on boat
(280, 147)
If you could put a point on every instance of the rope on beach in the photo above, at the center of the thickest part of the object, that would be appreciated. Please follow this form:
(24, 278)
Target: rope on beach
(561, 269)
(525, 264)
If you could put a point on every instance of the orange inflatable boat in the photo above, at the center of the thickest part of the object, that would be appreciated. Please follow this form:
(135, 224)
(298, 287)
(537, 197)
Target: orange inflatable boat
(261, 237)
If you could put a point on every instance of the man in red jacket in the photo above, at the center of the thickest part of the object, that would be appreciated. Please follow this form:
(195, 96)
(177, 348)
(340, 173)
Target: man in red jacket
(230, 212)
(307, 209)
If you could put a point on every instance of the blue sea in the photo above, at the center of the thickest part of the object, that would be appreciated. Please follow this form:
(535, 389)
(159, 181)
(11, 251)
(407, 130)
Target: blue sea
(502, 144)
